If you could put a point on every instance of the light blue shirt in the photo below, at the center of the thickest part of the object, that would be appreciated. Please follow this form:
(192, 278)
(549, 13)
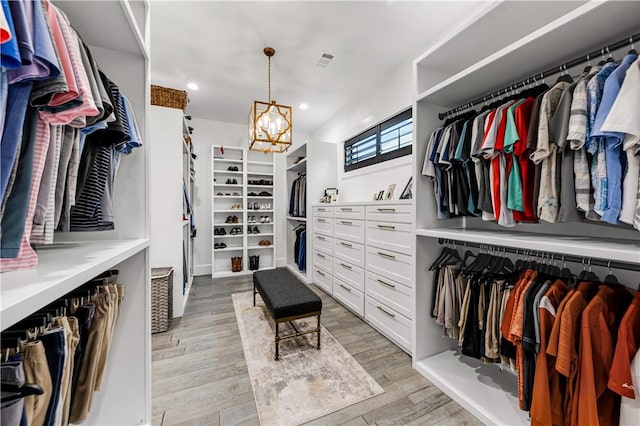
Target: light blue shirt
(612, 141)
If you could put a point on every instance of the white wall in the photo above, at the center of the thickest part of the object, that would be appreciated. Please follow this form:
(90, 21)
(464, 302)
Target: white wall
(390, 96)
(207, 133)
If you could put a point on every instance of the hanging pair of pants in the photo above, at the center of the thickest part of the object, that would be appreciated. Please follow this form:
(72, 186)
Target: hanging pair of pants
(36, 370)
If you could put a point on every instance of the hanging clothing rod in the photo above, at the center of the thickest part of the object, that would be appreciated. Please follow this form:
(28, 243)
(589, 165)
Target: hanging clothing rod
(541, 75)
(585, 260)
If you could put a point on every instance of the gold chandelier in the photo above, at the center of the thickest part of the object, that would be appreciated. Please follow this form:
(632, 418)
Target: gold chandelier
(270, 124)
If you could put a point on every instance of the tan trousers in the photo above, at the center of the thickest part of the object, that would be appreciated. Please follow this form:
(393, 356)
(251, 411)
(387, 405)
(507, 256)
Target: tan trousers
(87, 377)
(72, 334)
(36, 370)
(111, 291)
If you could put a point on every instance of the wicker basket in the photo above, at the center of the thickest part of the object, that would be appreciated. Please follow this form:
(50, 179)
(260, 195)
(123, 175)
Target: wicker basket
(161, 299)
(170, 98)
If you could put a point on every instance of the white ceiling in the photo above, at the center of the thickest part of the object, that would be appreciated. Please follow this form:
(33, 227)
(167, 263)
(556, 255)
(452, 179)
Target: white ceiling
(219, 46)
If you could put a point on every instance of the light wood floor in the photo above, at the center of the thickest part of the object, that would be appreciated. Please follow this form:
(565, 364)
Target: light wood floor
(200, 375)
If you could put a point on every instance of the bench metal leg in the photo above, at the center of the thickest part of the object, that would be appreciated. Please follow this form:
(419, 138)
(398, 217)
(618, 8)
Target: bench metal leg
(318, 330)
(277, 340)
(254, 295)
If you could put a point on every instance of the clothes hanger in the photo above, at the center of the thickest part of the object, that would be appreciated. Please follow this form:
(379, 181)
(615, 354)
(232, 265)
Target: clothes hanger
(632, 51)
(565, 272)
(19, 391)
(610, 279)
(603, 60)
(610, 58)
(588, 67)
(564, 75)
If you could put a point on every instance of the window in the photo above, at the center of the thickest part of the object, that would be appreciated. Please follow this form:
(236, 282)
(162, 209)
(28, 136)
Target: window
(385, 141)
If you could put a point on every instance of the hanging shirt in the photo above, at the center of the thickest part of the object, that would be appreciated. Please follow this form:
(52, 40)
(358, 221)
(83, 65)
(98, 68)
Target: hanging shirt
(594, 145)
(620, 120)
(545, 154)
(615, 162)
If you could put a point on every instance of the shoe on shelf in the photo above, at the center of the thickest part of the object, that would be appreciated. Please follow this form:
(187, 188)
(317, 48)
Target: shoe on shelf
(252, 194)
(229, 220)
(238, 231)
(264, 194)
(249, 231)
(223, 245)
(235, 219)
(236, 194)
(228, 181)
(235, 182)
(267, 243)
(216, 246)
(239, 267)
(235, 168)
(233, 264)
(267, 219)
(256, 206)
(255, 230)
(230, 168)
(249, 206)
(223, 231)
(219, 194)
(216, 231)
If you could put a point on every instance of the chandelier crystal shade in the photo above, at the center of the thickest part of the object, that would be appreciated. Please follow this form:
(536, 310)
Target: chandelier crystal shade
(270, 124)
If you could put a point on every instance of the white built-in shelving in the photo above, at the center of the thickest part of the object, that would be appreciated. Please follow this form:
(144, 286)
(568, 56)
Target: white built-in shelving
(116, 33)
(452, 72)
(296, 165)
(252, 166)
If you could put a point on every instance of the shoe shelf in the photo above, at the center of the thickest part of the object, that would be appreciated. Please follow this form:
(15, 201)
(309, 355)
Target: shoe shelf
(253, 168)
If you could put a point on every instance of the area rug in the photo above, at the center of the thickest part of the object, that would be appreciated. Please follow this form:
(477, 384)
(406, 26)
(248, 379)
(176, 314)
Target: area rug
(305, 383)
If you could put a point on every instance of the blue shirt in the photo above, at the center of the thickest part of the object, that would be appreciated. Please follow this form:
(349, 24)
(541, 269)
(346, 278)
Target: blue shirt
(9, 52)
(612, 141)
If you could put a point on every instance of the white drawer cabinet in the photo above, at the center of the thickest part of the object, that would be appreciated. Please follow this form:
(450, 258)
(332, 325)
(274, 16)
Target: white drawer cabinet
(401, 213)
(389, 322)
(349, 212)
(350, 230)
(395, 295)
(323, 225)
(390, 236)
(348, 273)
(323, 279)
(322, 260)
(350, 252)
(323, 212)
(323, 243)
(394, 266)
(349, 296)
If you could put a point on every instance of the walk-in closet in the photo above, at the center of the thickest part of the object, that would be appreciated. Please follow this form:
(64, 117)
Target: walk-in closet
(284, 213)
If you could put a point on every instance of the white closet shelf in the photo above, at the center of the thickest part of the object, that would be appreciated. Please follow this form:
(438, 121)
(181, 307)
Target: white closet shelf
(224, 160)
(61, 268)
(523, 56)
(259, 186)
(260, 247)
(299, 166)
(227, 224)
(259, 223)
(228, 249)
(297, 219)
(228, 236)
(227, 196)
(260, 211)
(228, 273)
(259, 163)
(260, 234)
(484, 390)
(230, 211)
(236, 185)
(602, 248)
(259, 174)
(227, 172)
(260, 196)
(112, 32)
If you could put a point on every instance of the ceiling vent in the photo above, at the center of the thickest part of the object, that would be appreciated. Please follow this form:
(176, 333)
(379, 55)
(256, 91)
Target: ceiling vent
(324, 60)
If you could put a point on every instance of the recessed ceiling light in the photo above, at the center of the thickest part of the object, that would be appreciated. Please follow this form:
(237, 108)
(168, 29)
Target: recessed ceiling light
(304, 106)
(192, 86)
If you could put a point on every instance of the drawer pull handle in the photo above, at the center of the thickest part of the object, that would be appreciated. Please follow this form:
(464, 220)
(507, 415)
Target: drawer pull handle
(346, 222)
(322, 256)
(320, 238)
(390, 256)
(387, 210)
(320, 273)
(345, 266)
(322, 210)
(386, 227)
(346, 288)
(386, 312)
(346, 209)
(387, 284)
(346, 244)
(320, 220)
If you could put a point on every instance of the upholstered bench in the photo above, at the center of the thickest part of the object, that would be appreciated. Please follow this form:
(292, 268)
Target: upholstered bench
(287, 299)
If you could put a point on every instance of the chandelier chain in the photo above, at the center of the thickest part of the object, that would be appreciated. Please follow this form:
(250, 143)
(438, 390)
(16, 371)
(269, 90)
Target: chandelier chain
(269, 85)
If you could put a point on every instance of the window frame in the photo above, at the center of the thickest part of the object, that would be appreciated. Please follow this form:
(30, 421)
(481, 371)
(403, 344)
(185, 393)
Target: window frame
(377, 130)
